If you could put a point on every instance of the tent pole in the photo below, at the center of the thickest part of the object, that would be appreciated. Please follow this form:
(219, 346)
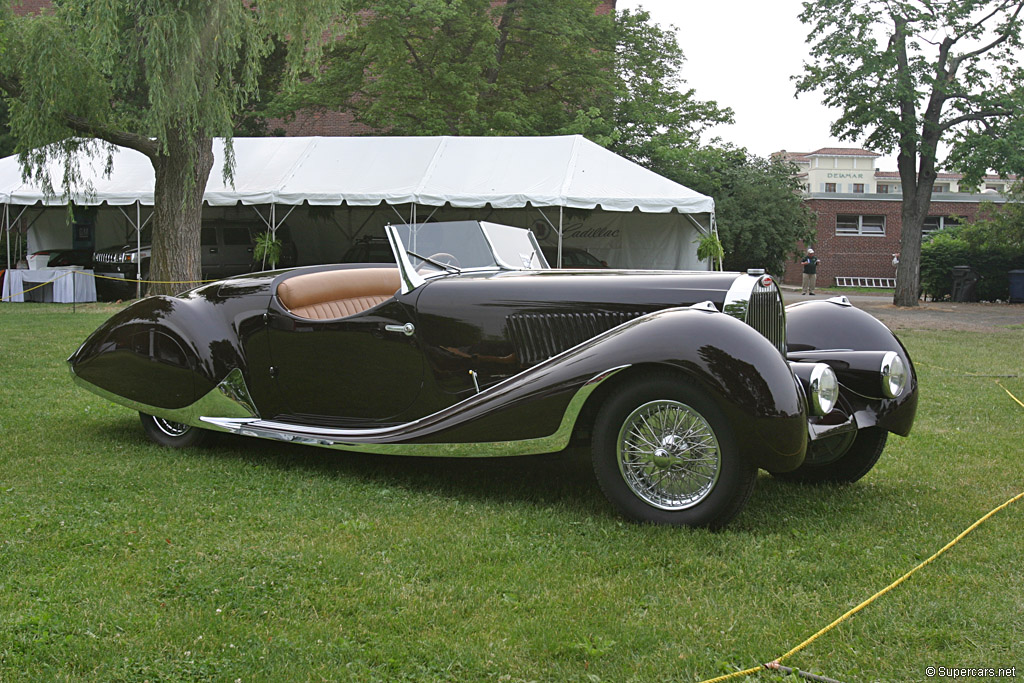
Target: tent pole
(138, 250)
(273, 232)
(559, 236)
(714, 231)
(7, 232)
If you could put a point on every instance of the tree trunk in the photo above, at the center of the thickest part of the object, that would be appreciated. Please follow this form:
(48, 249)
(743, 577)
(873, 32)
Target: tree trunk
(917, 198)
(181, 175)
(908, 272)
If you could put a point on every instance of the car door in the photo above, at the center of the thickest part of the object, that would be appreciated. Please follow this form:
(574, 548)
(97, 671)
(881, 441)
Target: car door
(236, 250)
(210, 252)
(362, 369)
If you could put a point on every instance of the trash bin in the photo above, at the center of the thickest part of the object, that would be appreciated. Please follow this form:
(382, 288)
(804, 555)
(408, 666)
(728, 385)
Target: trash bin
(965, 281)
(1016, 286)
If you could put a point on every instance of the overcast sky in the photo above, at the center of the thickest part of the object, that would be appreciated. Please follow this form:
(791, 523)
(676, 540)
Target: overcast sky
(742, 54)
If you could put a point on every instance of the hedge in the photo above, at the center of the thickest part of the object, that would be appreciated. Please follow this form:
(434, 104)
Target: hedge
(945, 250)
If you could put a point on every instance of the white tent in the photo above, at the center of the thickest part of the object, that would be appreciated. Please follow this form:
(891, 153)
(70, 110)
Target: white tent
(528, 181)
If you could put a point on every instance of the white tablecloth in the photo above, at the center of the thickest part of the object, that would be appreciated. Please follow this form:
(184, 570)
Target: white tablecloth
(78, 286)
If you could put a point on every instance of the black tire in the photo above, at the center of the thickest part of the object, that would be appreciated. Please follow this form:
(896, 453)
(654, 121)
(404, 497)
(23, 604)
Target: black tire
(173, 434)
(841, 459)
(654, 483)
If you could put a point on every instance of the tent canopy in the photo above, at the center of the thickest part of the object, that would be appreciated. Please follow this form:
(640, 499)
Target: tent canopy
(466, 172)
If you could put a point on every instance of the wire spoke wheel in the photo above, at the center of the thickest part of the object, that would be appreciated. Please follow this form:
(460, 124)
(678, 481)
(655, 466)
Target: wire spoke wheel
(668, 455)
(170, 428)
(173, 434)
(664, 453)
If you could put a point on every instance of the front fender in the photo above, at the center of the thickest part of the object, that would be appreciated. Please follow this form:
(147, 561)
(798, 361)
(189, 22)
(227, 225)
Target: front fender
(535, 411)
(852, 342)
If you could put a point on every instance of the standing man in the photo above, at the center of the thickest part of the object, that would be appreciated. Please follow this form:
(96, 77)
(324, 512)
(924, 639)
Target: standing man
(810, 264)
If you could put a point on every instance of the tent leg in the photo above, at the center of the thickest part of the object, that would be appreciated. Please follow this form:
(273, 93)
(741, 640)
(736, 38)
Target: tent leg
(7, 232)
(138, 247)
(560, 237)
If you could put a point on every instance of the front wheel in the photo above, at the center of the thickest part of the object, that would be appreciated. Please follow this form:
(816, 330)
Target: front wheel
(663, 454)
(841, 459)
(173, 434)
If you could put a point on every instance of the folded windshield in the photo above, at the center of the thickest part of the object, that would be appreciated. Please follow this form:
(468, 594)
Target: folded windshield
(466, 245)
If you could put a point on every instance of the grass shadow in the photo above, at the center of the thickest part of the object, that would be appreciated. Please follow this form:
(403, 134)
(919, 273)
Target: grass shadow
(548, 480)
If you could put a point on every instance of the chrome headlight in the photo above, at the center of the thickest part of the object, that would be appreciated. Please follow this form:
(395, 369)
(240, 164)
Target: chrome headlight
(824, 389)
(894, 374)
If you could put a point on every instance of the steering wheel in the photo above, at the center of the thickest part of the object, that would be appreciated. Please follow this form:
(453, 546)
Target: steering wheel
(445, 258)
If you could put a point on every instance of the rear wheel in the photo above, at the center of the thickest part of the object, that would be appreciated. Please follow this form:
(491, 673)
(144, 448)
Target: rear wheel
(173, 434)
(663, 454)
(841, 459)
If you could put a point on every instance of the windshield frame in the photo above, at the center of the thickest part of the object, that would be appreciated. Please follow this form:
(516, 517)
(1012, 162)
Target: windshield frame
(490, 234)
(411, 278)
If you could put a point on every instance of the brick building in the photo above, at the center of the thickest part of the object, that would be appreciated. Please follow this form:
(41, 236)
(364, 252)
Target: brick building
(857, 236)
(858, 212)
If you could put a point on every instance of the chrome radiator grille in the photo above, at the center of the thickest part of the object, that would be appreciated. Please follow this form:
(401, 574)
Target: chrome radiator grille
(767, 315)
(539, 336)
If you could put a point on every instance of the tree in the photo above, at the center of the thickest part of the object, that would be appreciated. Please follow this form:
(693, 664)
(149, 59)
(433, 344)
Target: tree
(946, 72)
(653, 117)
(436, 67)
(999, 227)
(758, 208)
(157, 77)
(522, 67)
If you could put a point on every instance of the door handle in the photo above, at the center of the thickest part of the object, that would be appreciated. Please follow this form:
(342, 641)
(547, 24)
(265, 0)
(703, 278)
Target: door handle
(407, 329)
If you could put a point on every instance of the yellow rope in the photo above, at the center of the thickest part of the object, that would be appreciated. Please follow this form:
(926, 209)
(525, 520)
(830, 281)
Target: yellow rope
(874, 597)
(900, 580)
(1019, 402)
(150, 282)
(745, 672)
(42, 284)
(107, 277)
(119, 280)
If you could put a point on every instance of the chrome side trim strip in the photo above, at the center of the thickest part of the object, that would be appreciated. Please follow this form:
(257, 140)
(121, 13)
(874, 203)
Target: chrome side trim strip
(358, 439)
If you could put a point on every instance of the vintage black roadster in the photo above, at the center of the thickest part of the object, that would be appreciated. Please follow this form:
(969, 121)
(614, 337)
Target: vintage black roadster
(683, 384)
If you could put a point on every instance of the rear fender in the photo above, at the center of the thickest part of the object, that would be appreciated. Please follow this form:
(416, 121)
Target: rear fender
(161, 352)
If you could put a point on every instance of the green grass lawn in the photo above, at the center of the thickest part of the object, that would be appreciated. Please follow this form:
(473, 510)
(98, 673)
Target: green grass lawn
(258, 561)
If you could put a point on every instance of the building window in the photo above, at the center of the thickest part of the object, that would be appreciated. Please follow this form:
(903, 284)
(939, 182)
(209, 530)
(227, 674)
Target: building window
(939, 188)
(858, 188)
(830, 187)
(933, 224)
(882, 189)
(860, 225)
(990, 186)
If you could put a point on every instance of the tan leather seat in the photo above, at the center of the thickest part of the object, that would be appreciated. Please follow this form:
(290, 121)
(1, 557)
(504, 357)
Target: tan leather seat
(337, 293)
